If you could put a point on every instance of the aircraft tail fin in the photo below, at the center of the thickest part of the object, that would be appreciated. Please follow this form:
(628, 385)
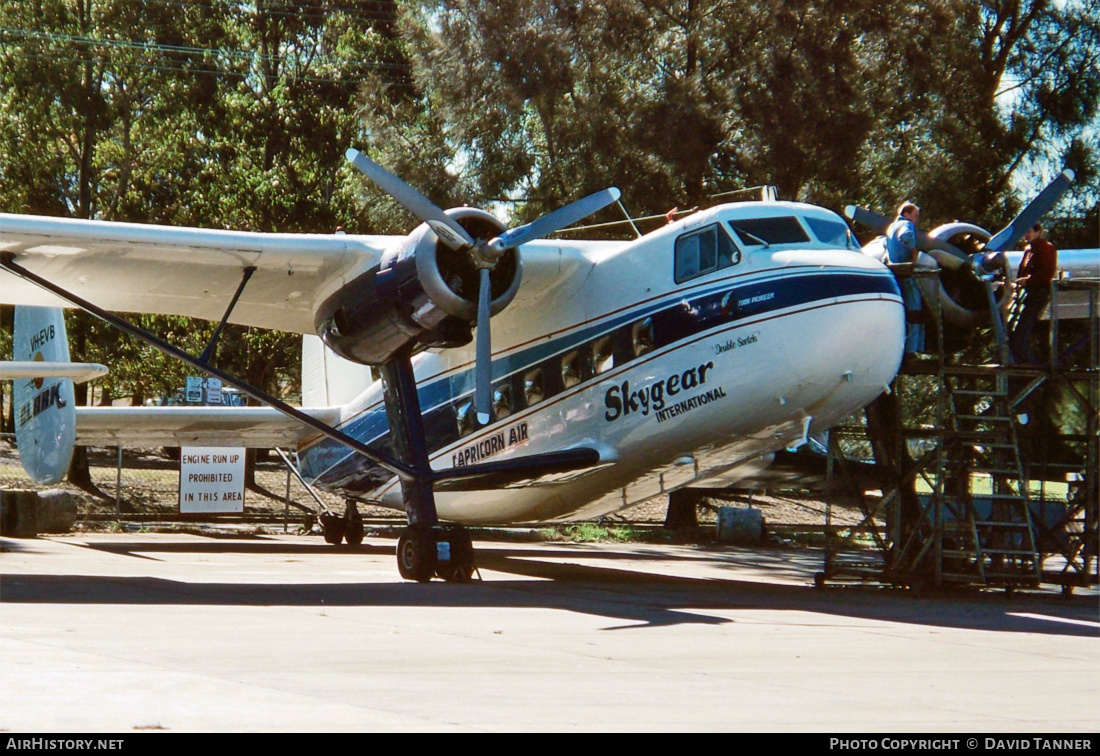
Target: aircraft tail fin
(45, 405)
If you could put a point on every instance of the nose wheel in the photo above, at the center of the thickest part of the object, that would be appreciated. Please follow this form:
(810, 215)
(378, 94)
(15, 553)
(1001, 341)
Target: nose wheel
(443, 551)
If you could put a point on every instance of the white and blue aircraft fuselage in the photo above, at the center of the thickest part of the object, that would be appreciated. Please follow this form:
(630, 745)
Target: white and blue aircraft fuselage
(686, 357)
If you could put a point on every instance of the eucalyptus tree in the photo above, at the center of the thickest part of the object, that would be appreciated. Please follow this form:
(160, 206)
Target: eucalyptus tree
(678, 100)
(221, 113)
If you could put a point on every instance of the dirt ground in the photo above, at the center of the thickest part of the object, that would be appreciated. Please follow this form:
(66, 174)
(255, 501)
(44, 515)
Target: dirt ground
(149, 481)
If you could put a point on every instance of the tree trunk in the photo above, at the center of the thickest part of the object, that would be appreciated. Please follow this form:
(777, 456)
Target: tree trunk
(681, 509)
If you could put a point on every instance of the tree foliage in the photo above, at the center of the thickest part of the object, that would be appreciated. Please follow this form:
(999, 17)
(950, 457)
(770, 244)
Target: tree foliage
(961, 105)
(219, 114)
(236, 114)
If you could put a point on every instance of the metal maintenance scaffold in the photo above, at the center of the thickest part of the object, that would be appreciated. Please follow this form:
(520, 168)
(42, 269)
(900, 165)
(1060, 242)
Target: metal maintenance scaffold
(994, 483)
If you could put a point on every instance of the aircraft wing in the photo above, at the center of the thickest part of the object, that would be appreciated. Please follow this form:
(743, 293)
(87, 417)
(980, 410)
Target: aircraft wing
(259, 427)
(131, 267)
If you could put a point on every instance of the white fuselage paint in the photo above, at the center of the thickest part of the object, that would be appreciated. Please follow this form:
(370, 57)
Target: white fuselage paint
(703, 409)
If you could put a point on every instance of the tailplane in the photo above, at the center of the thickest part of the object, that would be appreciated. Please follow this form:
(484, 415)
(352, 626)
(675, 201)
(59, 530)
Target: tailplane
(44, 401)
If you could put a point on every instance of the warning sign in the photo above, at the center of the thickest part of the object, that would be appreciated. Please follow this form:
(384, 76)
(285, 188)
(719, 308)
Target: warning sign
(194, 389)
(211, 479)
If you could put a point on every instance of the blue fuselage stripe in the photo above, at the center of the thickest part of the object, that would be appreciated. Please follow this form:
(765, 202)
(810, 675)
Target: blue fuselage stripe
(679, 317)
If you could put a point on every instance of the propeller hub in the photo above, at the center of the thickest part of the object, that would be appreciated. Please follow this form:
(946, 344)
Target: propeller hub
(486, 254)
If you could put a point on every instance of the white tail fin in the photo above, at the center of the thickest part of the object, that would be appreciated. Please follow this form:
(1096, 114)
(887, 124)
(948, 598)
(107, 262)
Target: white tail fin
(45, 407)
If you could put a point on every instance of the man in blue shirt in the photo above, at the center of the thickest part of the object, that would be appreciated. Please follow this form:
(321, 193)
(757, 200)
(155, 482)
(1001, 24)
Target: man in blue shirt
(901, 247)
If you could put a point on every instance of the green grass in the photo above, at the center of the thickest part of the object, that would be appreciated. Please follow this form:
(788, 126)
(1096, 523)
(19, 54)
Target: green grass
(590, 532)
(981, 484)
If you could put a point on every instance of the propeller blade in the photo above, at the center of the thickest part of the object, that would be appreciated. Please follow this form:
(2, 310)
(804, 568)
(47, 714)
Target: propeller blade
(557, 220)
(483, 367)
(1030, 215)
(868, 218)
(946, 254)
(445, 227)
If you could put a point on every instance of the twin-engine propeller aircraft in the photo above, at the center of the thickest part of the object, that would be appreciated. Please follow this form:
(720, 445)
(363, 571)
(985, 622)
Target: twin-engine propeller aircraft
(618, 371)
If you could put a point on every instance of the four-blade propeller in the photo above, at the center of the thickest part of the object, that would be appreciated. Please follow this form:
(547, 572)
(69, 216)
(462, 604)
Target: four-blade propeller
(484, 253)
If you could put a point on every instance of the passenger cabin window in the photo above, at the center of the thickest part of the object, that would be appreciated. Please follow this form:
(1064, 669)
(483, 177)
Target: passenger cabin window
(502, 401)
(761, 232)
(603, 352)
(533, 391)
(704, 251)
(467, 418)
(641, 337)
(575, 368)
(833, 233)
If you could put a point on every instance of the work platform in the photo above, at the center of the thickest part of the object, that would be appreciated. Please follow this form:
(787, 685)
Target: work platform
(989, 469)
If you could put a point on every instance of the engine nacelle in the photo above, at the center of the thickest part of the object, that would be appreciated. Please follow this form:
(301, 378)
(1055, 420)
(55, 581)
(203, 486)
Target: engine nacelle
(960, 294)
(422, 293)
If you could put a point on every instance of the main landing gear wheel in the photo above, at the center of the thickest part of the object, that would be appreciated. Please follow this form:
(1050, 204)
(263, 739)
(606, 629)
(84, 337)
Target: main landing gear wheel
(353, 524)
(332, 527)
(460, 568)
(416, 554)
(444, 551)
(348, 528)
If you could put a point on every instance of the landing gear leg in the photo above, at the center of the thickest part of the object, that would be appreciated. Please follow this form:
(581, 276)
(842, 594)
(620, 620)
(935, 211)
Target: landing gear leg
(426, 548)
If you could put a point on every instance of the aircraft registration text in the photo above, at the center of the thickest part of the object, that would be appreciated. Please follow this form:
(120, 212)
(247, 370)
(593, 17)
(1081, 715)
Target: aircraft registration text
(42, 401)
(41, 337)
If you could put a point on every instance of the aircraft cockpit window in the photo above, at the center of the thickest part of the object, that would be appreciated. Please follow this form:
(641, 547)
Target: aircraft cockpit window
(502, 401)
(762, 232)
(467, 418)
(833, 233)
(533, 391)
(574, 368)
(703, 251)
(604, 353)
(642, 337)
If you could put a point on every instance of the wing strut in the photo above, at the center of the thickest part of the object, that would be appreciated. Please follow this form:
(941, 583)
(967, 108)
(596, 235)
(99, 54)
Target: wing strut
(7, 261)
(426, 549)
(208, 353)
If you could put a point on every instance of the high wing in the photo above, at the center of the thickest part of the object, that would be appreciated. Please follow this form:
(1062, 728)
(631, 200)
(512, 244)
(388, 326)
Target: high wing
(130, 267)
(259, 427)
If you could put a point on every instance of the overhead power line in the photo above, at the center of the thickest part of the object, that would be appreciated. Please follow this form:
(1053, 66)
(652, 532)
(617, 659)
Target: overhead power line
(166, 57)
(383, 9)
(207, 71)
(156, 47)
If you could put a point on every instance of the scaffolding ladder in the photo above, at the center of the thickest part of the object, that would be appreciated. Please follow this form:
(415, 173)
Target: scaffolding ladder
(986, 532)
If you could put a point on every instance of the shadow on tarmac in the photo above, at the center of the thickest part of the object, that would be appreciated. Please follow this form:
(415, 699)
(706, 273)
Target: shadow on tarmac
(639, 599)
